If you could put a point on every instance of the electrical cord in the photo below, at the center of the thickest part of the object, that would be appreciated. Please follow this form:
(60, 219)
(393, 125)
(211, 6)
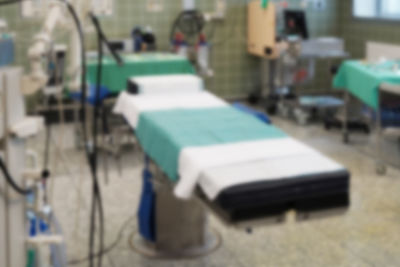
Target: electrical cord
(108, 249)
(46, 154)
(12, 182)
(46, 157)
(96, 189)
(101, 37)
(91, 155)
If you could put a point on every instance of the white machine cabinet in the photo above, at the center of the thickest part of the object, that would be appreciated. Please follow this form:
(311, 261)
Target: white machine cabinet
(15, 127)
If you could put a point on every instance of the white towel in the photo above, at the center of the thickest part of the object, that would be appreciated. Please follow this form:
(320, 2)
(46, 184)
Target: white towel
(131, 106)
(216, 179)
(169, 84)
(194, 160)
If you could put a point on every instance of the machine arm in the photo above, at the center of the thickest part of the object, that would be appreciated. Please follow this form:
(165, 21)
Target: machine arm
(38, 78)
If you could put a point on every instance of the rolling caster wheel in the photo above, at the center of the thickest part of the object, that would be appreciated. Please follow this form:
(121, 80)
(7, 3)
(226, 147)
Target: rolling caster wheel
(381, 169)
(271, 110)
(301, 117)
(283, 110)
(327, 125)
(271, 105)
(254, 98)
(346, 138)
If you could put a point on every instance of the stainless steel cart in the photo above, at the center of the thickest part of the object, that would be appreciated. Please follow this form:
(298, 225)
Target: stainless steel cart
(381, 132)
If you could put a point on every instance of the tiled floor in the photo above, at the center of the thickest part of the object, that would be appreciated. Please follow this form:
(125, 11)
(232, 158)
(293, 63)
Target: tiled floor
(367, 235)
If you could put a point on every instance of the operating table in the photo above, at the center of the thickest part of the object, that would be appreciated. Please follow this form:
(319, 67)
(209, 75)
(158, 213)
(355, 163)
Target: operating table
(237, 165)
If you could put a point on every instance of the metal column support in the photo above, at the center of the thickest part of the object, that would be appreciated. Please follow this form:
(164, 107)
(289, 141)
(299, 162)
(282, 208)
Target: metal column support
(272, 76)
(3, 194)
(380, 161)
(380, 167)
(345, 130)
(182, 229)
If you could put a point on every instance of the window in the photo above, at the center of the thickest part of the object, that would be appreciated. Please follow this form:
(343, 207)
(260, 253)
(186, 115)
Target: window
(377, 9)
(391, 9)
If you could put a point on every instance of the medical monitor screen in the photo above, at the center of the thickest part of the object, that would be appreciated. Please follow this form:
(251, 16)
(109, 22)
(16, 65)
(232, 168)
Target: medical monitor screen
(296, 23)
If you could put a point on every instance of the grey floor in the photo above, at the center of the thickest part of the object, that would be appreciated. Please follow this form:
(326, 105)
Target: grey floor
(367, 235)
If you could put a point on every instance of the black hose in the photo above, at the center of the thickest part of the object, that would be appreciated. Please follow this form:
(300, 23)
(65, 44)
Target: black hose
(110, 248)
(12, 182)
(46, 154)
(96, 193)
(103, 39)
(98, 106)
(91, 156)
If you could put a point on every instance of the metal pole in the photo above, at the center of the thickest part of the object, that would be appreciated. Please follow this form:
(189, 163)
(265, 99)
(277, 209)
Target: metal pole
(345, 129)
(6, 161)
(264, 86)
(3, 231)
(15, 160)
(272, 73)
(381, 168)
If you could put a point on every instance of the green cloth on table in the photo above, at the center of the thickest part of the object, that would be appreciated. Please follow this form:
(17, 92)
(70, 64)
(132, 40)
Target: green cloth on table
(363, 80)
(163, 134)
(115, 78)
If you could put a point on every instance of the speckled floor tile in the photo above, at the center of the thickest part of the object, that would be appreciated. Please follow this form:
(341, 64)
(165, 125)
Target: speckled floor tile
(366, 235)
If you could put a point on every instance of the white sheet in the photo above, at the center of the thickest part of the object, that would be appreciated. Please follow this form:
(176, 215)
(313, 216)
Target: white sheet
(169, 84)
(215, 180)
(131, 106)
(275, 153)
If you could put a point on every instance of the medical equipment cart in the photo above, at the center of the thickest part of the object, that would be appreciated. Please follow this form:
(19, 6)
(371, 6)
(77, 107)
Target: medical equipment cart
(368, 82)
(382, 131)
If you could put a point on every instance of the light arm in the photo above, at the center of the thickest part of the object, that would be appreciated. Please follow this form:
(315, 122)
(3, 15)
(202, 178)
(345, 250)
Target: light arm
(38, 77)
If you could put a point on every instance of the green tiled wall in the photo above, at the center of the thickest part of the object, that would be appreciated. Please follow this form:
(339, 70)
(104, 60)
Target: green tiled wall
(357, 32)
(236, 73)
